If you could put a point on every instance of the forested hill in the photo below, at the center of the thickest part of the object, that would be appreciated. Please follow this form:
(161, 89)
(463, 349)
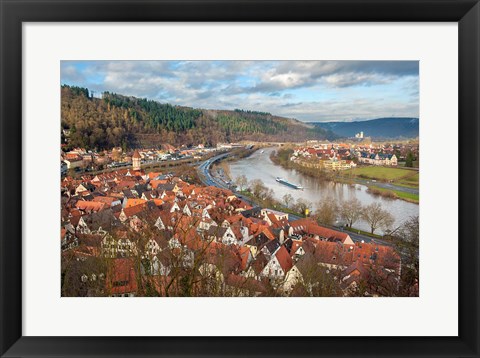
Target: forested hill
(117, 120)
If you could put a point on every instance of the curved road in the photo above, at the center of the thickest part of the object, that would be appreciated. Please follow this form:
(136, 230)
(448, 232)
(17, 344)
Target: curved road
(208, 179)
(390, 186)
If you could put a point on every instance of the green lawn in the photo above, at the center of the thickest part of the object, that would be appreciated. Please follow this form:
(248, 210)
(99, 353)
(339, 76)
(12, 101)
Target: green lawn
(403, 177)
(381, 173)
(414, 198)
(409, 181)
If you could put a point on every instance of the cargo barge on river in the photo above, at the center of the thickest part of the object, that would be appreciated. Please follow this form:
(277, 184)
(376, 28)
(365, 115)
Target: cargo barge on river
(287, 183)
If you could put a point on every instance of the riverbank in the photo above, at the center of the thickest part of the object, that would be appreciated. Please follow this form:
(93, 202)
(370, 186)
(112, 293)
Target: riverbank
(381, 181)
(222, 167)
(394, 194)
(260, 167)
(282, 157)
(271, 204)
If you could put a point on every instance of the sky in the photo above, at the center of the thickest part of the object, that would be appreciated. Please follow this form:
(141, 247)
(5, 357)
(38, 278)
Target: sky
(305, 90)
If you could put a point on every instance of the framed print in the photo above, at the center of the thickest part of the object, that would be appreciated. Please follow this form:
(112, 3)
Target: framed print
(239, 178)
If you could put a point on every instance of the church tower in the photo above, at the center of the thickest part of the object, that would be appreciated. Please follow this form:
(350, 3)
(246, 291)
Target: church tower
(136, 160)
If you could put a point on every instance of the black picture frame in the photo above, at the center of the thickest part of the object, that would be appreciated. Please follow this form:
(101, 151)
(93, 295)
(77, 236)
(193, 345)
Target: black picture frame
(15, 12)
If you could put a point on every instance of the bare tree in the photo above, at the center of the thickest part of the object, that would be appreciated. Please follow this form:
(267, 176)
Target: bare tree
(376, 217)
(327, 211)
(302, 205)
(267, 194)
(407, 242)
(257, 187)
(316, 280)
(288, 199)
(241, 181)
(351, 211)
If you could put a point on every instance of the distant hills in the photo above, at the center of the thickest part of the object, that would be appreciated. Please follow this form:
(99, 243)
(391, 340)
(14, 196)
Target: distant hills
(380, 128)
(117, 120)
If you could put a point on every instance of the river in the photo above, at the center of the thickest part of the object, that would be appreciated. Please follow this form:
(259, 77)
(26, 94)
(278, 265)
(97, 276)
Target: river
(259, 166)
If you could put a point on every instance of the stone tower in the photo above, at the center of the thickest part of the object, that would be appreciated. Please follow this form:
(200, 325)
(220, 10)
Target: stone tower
(136, 160)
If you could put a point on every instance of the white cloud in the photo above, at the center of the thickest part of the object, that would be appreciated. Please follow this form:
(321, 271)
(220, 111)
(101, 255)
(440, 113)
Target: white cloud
(307, 90)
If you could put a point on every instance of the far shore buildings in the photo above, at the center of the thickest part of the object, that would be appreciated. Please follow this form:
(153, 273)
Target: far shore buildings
(333, 158)
(377, 159)
(341, 156)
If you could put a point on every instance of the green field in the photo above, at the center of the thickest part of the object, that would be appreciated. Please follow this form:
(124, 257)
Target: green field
(404, 177)
(414, 198)
(409, 181)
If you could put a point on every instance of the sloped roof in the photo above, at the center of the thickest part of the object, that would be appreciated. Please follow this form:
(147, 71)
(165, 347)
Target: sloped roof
(136, 155)
(284, 259)
(121, 277)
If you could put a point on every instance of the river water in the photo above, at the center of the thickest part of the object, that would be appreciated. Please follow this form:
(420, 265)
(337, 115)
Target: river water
(259, 166)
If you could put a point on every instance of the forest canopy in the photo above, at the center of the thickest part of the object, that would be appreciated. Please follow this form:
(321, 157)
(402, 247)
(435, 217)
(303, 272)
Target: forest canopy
(117, 120)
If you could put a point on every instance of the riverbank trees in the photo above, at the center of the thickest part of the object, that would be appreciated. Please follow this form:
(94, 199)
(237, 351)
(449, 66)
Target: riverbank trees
(327, 211)
(351, 211)
(376, 217)
(288, 199)
(241, 182)
(407, 241)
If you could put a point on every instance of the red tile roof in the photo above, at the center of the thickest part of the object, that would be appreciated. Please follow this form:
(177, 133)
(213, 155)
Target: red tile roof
(136, 155)
(134, 202)
(284, 259)
(309, 226)
(121, 278)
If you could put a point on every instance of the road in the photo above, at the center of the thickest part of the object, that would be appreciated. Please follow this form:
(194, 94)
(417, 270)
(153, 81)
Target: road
(208, 179)
(356, 237)
(387, 186)
(204, 172)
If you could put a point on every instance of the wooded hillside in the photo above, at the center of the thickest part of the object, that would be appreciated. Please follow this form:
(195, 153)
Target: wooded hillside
(117, 120)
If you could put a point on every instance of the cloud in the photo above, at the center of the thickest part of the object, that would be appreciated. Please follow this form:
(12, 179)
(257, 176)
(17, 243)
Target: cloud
(70, 73)
(296, 74)
(307, 90)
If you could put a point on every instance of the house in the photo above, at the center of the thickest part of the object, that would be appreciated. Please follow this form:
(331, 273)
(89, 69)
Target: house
(240, 286)
(68, 240)
(126, 247)
(271, 247)
(377, 158)
(87, 207)
(110, 201)
(308, 226)
(256, 267)
(338, 164)
(121, 278)
(221, 234)
(256, 243)
(158, 265)
(131, 211)
(279, 264)
(305, 273)
(102, 221)
(353, 277)
(74, 163)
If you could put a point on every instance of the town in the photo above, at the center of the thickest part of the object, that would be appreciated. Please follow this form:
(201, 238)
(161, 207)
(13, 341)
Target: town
(341, 156)
(239, 178)
(128, 232)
